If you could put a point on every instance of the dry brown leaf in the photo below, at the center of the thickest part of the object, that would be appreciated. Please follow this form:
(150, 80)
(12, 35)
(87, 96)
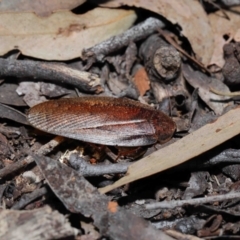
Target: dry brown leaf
(142, 81)
(63, 35)
(220, 27)
(194, 144)
(189, 14)
(40, 7)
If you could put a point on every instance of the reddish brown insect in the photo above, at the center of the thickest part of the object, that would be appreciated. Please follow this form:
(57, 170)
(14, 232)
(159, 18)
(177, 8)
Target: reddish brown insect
(103, 120)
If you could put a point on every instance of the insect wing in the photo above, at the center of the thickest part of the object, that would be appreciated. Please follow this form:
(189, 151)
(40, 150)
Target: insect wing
(96, 123)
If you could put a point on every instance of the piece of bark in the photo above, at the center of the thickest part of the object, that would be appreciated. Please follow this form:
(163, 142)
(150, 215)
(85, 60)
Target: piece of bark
(231, 68)
(162, 61)
(130, 57)
(38, 224)
(53, 72)
(9, 96)
(198, 184)
(232, 171)
(189, 225)
(51, 90)
(79, 196)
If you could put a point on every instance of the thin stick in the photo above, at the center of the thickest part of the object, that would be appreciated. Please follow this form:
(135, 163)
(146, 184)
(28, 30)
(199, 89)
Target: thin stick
(115, 43)
(195, 201)
(88, 170)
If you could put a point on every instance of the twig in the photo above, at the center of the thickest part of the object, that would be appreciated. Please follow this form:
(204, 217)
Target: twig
(25, 162)
(48, 147)
(28, 198)
(136, 33)
(53, 72)
(195, 201)
(89, 170)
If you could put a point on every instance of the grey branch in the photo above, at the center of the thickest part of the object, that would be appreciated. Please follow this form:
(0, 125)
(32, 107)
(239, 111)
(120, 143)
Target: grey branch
(136, 33)
(89, 170)
(53, 72)
(195, 201)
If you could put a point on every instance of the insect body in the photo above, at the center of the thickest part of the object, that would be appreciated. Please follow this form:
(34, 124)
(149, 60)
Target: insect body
(103, 120)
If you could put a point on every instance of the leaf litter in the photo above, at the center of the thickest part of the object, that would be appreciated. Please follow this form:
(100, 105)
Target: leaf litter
(170, 55)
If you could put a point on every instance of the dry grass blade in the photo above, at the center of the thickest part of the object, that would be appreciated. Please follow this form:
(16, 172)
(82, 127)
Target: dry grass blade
(200, 141)
(231, 94)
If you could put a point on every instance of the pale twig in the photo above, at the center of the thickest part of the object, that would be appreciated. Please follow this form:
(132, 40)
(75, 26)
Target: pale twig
(136, 33)
(88, 170)
(54, 72)
(195, 201)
